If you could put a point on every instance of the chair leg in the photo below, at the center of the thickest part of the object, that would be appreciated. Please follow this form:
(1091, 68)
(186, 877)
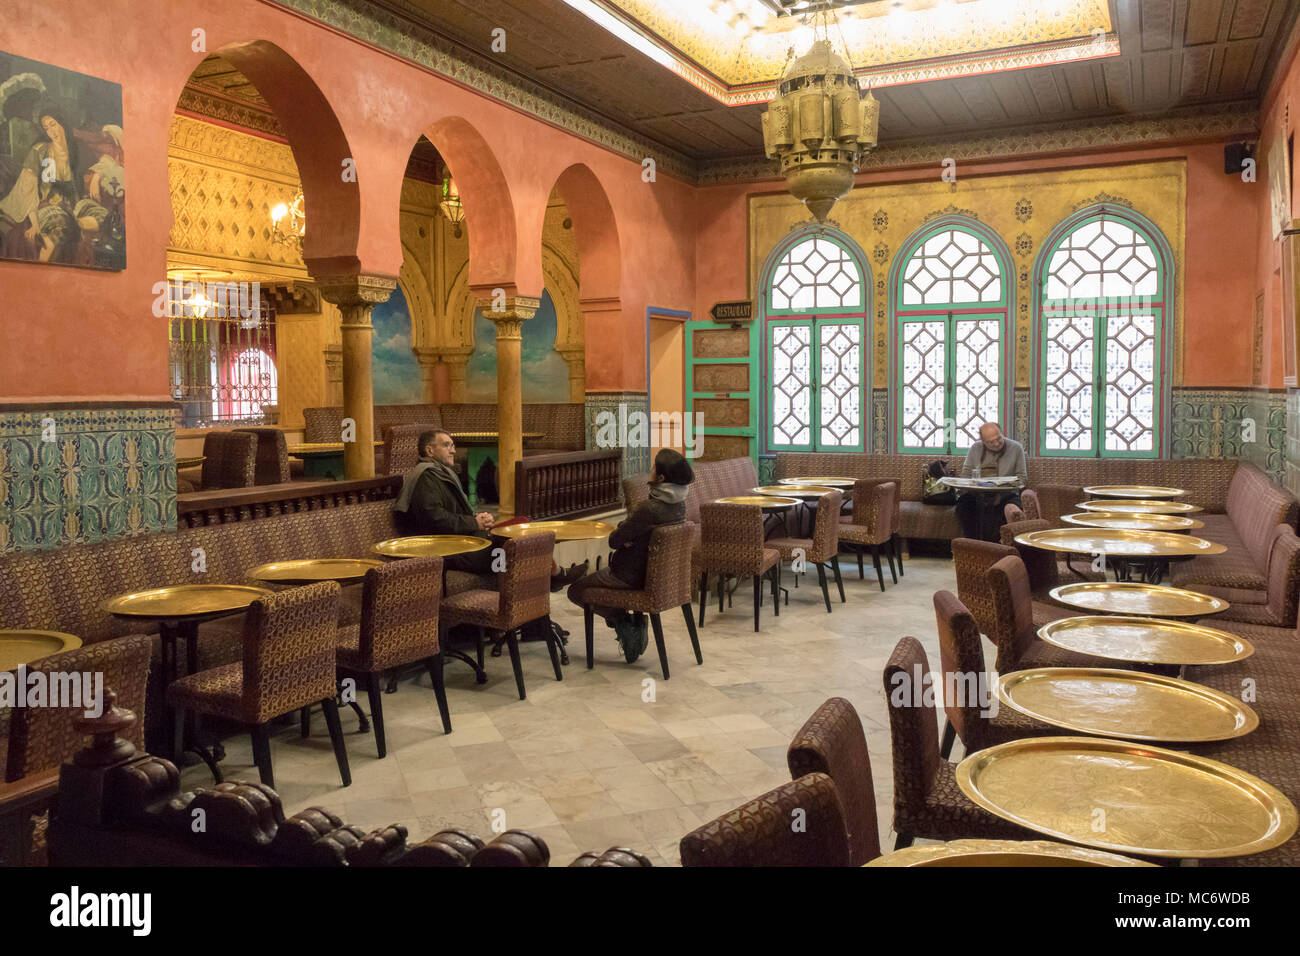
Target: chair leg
(377, 711)
(889, 545)
(331, 709)
(363, 723)
(776, 589)
(513, 643)
(690, 628)
(758, 599)
(875, 559)
(262, 753)
(949, 737)
(439, 690)
(478, 631)
(861, 574)
(722, 593)
(821, 577)
(587, 620)
(897, 542)
(839, 581)
(704, 594)
(304, 720)
(551, 648)
(904, 840)
(659, 643)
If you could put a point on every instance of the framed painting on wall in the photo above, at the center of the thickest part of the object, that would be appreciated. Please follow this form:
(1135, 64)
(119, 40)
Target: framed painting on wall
(62, 167)
(1279, 185)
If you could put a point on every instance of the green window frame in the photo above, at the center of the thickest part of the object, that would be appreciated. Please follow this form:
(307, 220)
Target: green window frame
(815, 297)
(951, 294)
(1103, 297)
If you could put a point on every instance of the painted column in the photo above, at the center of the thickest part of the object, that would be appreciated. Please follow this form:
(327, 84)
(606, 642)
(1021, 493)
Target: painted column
(356, 295)
(433, 376)
(576, 360)
(508, 314)
(454, 365)
(333, 355)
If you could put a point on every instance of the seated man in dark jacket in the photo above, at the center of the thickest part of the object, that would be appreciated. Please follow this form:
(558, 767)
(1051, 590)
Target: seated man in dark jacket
(630, 544)
(433, 502)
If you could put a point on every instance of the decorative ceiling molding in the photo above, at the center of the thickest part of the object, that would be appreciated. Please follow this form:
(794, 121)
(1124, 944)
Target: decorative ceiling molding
(1240, 119)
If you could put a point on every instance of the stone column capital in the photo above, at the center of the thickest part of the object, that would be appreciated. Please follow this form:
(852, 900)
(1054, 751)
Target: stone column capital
(509, 313)
(356, 291)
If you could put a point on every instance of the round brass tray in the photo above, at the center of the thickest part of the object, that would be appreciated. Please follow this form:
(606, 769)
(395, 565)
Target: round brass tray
(311, 570)
(303, 449)
(1140, 507)
(1003, 853)
(792, 491)
(1124, 597)
(1119, 544)
(763, 501)
(1128, 797)
(185, 600)
(818, 482)
(19, 647)
(430, 546)
(1117, 520)
(1146, 640)
(1133, 491)
(1131, 704)
(563, 530)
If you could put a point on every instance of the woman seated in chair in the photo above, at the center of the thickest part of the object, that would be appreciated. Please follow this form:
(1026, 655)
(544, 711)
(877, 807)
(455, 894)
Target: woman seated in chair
(630, 544)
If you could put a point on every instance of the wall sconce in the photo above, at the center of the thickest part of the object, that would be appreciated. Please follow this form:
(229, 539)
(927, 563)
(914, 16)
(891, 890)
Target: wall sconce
(289, 223)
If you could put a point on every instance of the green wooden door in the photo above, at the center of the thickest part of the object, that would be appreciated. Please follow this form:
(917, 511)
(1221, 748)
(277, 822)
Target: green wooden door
(722, 389)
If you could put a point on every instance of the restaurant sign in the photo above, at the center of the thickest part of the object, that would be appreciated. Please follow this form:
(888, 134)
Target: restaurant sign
(729, 312)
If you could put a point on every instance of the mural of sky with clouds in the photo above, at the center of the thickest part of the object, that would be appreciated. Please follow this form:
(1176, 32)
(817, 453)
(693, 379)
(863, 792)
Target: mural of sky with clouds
(395, 369)
(545, 374)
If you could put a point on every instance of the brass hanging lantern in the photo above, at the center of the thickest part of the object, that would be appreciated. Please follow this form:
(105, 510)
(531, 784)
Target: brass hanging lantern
(820, 126)
(451, 205)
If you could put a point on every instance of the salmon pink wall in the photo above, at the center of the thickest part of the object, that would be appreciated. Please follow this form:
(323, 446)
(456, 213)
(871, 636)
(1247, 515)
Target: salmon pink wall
(1218, 277)
(373, 106)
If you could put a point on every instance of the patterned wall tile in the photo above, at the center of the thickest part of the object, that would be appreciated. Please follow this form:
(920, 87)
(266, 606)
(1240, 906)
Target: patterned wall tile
(1217, 423)
(880, 421)
(1291, 454)
(636, 461)
(73, 476)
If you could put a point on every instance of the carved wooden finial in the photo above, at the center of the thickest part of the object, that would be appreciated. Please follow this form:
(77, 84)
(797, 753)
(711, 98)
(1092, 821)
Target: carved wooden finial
(107, 745)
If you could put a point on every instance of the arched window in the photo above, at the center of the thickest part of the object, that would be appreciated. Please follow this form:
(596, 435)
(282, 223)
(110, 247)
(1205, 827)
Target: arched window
(952, 299)
(814, 307)
(1101, 330)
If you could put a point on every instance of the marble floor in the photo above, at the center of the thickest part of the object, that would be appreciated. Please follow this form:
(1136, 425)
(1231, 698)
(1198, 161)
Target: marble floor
(616, 756)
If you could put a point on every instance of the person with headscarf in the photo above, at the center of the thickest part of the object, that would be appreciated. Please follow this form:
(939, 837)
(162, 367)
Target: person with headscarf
(630, 546)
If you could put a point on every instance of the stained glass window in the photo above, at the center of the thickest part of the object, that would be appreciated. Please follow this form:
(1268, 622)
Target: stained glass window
(1101, 327)
(814, 334)
(951, 307)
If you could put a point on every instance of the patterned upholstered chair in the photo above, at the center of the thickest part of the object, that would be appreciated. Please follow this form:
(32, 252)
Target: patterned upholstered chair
(42, 738)
(667, 585)
(1054, 501)
(1046, 568)
(288, 664)
(523, 596)
(823, 547)
(833, 742)
(759, 832)
(870, 526)
(229, 460)
(731, 545)
(927, 801)
(1029, 506)
(399, 626)
(271, 465)
(971, 559)
(401, 448)
(975, 717)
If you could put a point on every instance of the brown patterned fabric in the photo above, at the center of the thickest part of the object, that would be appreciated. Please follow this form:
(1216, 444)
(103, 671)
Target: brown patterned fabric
(401, 451)
(1017, 618)
(42, 738)
(832, 742)
(1042, 566)
(322, 424)
(399, 616)
(927, 801)
(928, 522)
(906, 470)
(667, 580)
(732, 541)
(825, 542)
(1283, 585)
(761, 832)
(230, 460)
(961, 653)
(1012, 513)
(1235, 568)
(1056, 500)
(524, 588)
(1029, 505)
(562, 424)
(872, 521)
(971, 560)
(289, 660)
(713, 480)
(1256, 507)
(272, 456)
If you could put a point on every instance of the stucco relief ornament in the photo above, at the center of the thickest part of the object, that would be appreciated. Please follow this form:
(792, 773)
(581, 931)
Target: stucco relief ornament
(820, 126)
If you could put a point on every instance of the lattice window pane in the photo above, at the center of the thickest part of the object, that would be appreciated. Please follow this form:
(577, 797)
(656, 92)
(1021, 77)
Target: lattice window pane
(922, 383)
(1103, 259)
(952, 267)
(840, 395)
(978, 375)
(221, 363)
(1130, 383)
(1068, 383)
(816, 274)
(791, 385)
